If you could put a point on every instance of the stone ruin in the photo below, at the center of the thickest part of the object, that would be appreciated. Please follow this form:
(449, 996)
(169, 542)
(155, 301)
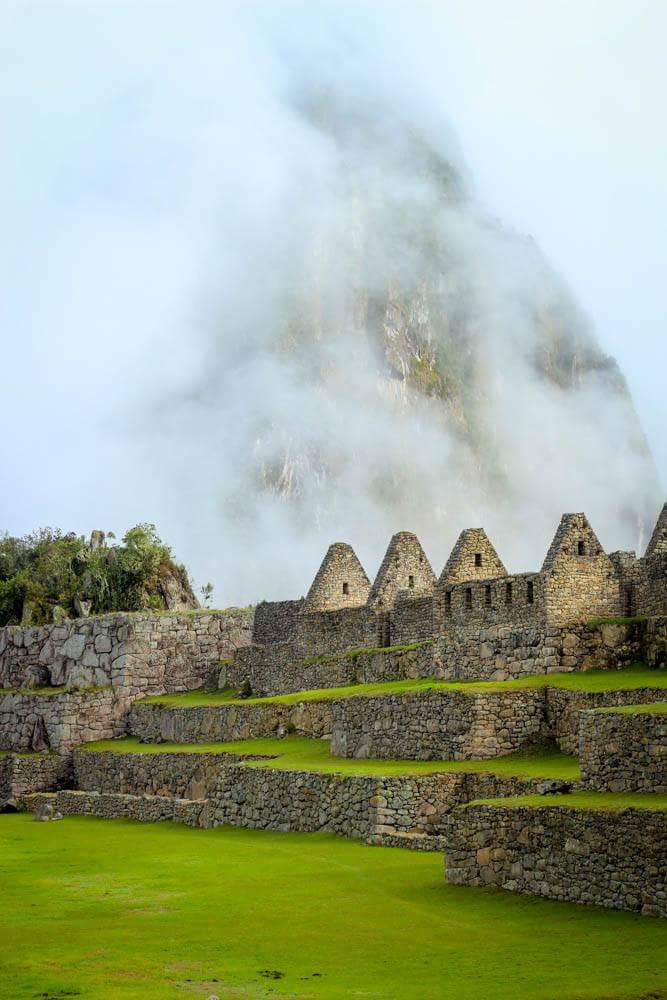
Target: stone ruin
(69, 683)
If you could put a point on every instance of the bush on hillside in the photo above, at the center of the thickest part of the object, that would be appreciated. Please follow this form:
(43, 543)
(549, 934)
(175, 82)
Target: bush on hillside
(46, 574)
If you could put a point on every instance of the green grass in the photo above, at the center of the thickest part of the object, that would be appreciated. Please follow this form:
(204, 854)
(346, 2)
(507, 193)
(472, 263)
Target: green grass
(657, 708)
(112, 910)
(628, 679)
(608, 801)
(298, 753)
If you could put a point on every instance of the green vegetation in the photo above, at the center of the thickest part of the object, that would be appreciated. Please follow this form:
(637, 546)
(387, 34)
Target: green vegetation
(352, 654)
(297, 753)
(657, 708)
(606, 801)
(629, 679)
(44, 573)
(107, 909)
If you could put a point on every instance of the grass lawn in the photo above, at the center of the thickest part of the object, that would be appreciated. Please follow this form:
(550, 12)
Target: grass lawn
(630, 679)
(298, 753)
(111, 910)
(584, 800)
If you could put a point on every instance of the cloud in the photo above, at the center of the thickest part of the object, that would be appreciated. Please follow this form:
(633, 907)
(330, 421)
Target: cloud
(209, 208)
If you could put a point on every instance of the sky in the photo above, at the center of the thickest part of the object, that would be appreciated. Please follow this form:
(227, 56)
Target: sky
(121, 127)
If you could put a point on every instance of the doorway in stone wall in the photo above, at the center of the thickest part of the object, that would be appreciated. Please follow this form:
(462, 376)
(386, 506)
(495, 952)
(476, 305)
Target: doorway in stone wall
(384, 629)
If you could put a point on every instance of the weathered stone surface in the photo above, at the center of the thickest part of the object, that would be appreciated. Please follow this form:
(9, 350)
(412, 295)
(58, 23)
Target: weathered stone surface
(623, 753)
(616, 859)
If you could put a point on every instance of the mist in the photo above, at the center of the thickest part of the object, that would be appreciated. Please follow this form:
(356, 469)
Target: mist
(273, 309)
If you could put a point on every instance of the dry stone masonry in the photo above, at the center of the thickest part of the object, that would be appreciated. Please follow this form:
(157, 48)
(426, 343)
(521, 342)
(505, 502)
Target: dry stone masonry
(73, 682)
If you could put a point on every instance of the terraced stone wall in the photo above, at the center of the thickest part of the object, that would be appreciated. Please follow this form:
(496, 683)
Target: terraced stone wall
(142, 653)
(220, 723)
(105, 805)
(621, 752)
(406, 811)
(21, 776)
(472, 653)
(277, 670)
(438, 725)
(614, 859)
(564, 710)
(59, 721)
(182, 775)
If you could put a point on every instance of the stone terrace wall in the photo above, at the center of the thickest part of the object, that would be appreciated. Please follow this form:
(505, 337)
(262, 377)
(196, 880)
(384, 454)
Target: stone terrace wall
(143, 653)
(400, 810)
(183, 775)
(610, 859)
(475, 653)
(21, 776)
(444, 725)
(501, 652)
(59, 721)
(220, 723)
(619, 752)
(279, 671)
(143, 808)
(564, 710)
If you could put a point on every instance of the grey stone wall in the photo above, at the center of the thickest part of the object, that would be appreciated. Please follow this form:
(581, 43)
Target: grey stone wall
(406, 811)
(21, 776)
(142, 653)
(275, 621)
(564, 710)
(444, 725)
(59, 721)
(221, 723)
(619, 752)
(614, 859)
(494, 653)
(411, 619)
(181, 775)
(336, 631)
(340, 582)
(105, 805)
(278, 670)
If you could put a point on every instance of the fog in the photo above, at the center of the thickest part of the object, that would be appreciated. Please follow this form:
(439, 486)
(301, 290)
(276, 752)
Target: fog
(202, 208)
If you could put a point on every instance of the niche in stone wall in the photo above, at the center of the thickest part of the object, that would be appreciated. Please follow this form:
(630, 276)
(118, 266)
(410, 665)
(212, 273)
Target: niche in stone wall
(508, 593)
(530, 592)
(346, 588)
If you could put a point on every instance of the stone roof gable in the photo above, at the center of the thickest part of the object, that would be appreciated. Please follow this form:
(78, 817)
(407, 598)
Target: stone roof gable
(404, 567)
(473, 558)
(341, 581)
(658, 542)
(574, 537)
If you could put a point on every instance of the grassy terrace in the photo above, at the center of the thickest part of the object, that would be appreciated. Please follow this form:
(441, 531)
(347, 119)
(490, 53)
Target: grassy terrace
(630, 679)
(603, 801)
(657, 708)
(297, 753)
(102, 909)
